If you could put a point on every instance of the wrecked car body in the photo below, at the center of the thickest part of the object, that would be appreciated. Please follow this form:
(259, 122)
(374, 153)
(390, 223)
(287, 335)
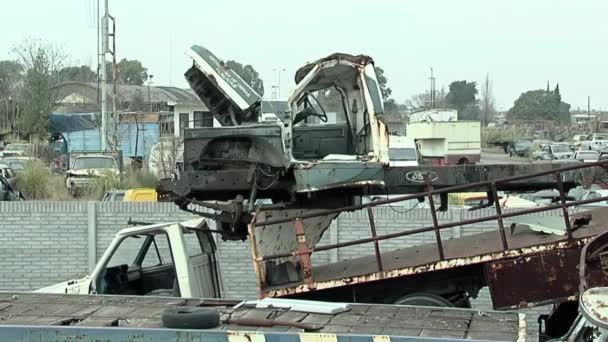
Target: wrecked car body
(327, 150)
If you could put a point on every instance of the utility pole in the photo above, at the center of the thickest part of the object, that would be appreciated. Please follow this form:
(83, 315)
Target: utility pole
(104, 50)
(115, 117)
(589, 114)
(432, 78)
(279, 71)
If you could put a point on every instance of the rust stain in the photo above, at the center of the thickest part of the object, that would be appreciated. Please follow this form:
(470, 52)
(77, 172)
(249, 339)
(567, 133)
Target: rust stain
(439, 265)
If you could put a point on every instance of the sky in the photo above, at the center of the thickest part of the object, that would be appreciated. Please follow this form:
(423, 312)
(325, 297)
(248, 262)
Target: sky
(520, 44)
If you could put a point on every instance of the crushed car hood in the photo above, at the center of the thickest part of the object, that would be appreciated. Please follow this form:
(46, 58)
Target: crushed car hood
(230, 99)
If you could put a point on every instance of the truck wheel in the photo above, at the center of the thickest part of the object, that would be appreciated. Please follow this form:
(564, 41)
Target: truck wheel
(190, 317)
(424, 299)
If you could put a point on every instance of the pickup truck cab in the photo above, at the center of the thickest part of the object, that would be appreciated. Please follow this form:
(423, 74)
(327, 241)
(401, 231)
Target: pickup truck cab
(595, 142)
(84, 169)
(167, 259)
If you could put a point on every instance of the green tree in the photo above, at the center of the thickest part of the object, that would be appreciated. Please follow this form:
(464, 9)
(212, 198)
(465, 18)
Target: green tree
(462, 97)
(540, 105)
(11, 78)
(77, 74)
(41, 62)
(128, 72)
(383, 84)
(249, 75)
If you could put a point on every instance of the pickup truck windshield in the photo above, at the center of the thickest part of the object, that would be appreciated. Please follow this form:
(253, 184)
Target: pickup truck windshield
(94, 163)
(401, 154)
(560, 149)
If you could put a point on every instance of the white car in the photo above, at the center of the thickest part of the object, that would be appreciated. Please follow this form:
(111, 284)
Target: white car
(594, 194)
(7, 172)
(16, 150)
(586, 156)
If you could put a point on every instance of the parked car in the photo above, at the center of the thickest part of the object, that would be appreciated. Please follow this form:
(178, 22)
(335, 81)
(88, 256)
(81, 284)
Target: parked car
(593, 194)
(86, 168)
(553, 151)
(595, 141)
(586, 156)
(16, 150)
(17, 164)
(520, 148)
(7, 193)
(141, 195)
(546, 197)
(113, 195)
(8, 174)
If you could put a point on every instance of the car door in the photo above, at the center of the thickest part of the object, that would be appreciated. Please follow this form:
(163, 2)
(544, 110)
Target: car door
(202, 253)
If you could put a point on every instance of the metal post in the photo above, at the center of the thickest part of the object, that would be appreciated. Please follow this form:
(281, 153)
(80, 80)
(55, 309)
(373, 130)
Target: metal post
(257, 262)
(304, 252)
(104, 49)
(372, 225)
(434, 216)
(501, 227)
(562, 196)
(92, 235)
(114, 112)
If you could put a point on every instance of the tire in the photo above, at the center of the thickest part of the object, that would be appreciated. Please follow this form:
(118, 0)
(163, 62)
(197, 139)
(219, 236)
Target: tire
(190, 317)
(424, 299)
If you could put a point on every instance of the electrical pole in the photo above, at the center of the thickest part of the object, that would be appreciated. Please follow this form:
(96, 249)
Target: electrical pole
(115, 118)
(432, 78)
(589, 114)
(104, 50)
(279, 71)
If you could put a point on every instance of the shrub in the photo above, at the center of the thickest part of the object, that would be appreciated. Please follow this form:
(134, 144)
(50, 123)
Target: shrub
(33, 180)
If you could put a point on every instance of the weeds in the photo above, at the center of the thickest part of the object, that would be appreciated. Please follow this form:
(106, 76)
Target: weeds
(129, 180)
(36, 183)
(33, 180)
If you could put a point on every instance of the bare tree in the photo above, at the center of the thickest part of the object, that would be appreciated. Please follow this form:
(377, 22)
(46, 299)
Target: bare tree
(423, 101)
(164, 157)
(41, 64)
(487, 101)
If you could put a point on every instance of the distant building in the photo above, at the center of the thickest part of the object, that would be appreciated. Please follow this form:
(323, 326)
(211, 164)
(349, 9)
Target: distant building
(176, 108)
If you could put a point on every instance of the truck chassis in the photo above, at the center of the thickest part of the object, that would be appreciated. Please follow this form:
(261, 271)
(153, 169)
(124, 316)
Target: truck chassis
(521, 267)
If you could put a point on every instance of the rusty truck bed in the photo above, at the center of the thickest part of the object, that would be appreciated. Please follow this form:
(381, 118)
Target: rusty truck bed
(463, 251)
(122, 317)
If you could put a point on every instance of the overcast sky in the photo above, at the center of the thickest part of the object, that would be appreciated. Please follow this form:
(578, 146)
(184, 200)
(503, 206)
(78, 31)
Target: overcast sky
(521, 44)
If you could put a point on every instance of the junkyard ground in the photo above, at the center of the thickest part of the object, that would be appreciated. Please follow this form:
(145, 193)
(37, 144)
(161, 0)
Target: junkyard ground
(497, 156)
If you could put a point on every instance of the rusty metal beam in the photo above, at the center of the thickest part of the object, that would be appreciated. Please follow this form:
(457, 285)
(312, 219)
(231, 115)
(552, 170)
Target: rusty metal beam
(304, 252)
(372, 225)
(562, 195)
(501, 227)
(434, 217)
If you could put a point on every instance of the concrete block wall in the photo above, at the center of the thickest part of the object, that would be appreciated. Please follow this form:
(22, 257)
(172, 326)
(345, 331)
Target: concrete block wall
(41, 243)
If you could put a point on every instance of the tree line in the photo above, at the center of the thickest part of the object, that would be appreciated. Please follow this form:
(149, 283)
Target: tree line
(30, 78)
(463, 96)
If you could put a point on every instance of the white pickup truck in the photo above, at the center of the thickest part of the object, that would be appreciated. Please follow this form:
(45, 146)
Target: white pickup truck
(167, 259)
(595, 142)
